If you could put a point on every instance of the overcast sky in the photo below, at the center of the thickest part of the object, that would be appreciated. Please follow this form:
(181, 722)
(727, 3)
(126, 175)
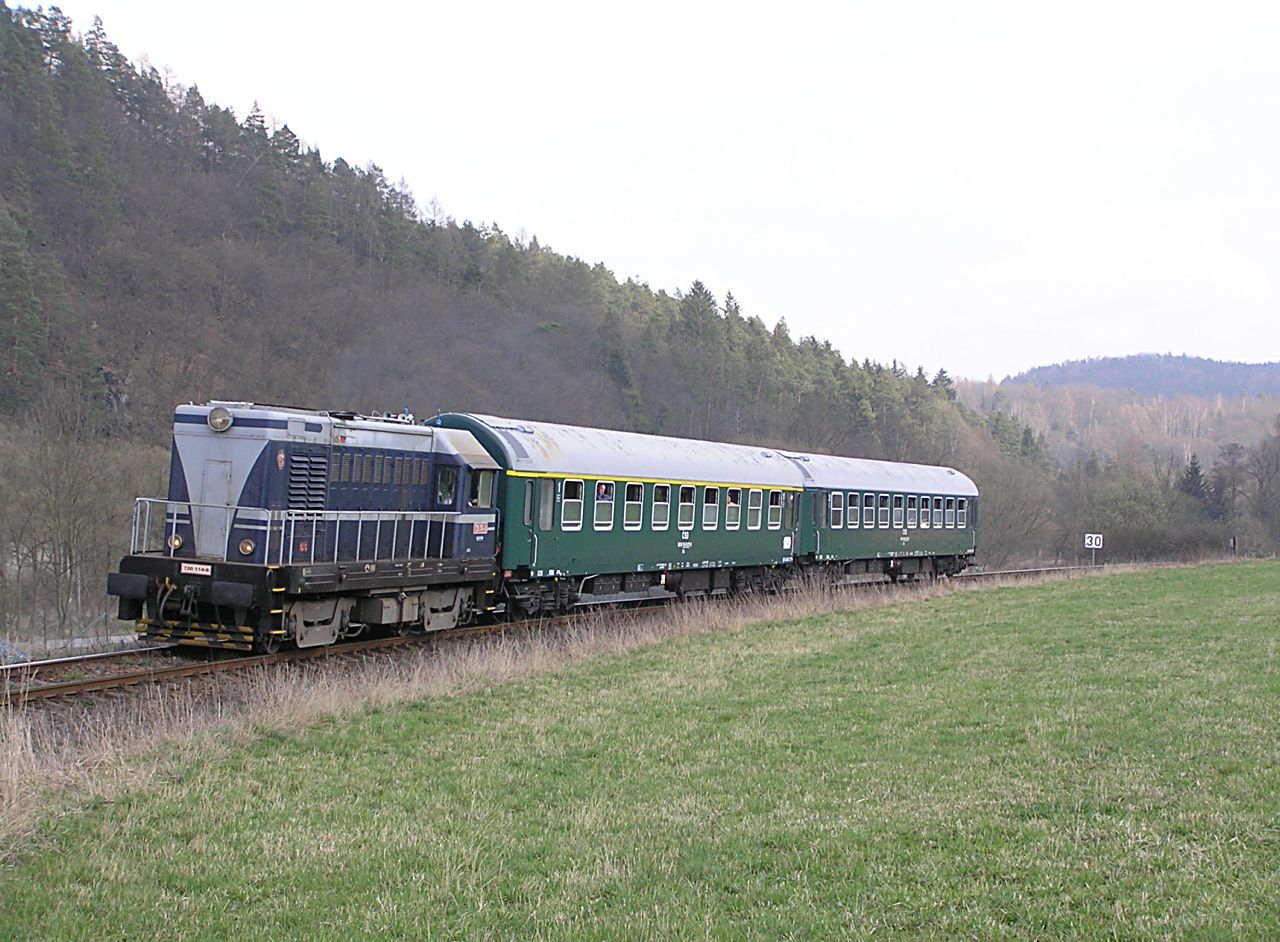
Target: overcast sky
(980, 186)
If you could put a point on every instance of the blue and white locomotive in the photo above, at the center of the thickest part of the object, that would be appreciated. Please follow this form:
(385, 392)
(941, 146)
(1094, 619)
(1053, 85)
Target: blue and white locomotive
(284, 524)
(300, 527)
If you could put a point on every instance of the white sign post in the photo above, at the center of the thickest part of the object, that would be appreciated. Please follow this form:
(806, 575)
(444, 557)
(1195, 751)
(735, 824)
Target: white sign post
(1093, 543)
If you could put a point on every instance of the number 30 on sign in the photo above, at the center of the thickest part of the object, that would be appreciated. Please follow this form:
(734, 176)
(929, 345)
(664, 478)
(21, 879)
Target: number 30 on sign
(1093, 541)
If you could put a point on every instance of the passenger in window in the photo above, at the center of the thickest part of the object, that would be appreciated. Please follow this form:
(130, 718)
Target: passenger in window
(604, 491)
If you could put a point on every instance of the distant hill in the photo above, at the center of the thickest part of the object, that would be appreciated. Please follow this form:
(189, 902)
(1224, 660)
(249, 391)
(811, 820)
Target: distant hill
(1154, 374)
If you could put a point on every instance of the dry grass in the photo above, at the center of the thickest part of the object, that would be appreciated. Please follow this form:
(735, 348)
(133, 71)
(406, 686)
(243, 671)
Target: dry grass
(55, 760)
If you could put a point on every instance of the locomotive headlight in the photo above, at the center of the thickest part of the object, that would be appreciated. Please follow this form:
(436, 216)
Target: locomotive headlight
(246, 547)
(175, 542)
(219, 419)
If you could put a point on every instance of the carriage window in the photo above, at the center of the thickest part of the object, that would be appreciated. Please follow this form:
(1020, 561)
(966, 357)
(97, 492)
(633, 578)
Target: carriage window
(446, 486)
(837, 511)
(884, 510)
(852, 503)
(733, 508)
(481, 489)
(911, 512)
(661, 506)
(755, 503)
(937, 513)
(868, 510)
(775, 510)
(710, 507)
(962, 512)
(684, 519)
(571, 506)
(951, 512)
(924, 512)
(897, 511)
(633, 510)
(604, 505)
(528, 503)
(792, 504)
(546, 503)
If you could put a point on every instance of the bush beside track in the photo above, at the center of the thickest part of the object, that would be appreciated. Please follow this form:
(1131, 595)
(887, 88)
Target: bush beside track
(1081, 758)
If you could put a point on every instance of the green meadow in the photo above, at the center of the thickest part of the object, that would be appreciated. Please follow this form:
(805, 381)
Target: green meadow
(1095, 758)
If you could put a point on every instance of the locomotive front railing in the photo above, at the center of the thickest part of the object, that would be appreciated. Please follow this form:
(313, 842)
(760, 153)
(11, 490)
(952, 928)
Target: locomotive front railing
(291, 536)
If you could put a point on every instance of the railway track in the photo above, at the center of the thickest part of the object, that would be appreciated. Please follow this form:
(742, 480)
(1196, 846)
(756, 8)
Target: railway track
(49, 680)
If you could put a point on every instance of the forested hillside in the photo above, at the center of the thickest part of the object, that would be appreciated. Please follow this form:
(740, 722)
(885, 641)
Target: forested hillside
(155, 248)
(1153, 374)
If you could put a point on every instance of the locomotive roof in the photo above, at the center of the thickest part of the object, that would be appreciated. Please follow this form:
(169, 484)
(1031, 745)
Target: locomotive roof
(569, 450)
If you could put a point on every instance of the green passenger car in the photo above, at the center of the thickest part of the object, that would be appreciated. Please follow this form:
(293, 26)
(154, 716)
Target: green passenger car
(591, 516)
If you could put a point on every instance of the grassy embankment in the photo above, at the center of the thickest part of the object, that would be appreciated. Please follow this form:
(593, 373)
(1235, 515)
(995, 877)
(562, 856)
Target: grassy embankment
(1089, 758)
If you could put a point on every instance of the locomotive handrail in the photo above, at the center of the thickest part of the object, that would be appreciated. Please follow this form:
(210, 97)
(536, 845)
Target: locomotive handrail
(286, 526)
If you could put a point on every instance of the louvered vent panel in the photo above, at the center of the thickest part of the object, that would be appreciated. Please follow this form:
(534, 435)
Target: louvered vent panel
(308, 477)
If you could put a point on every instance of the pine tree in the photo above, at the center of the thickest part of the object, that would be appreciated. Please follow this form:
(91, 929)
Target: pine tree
(1193, 483)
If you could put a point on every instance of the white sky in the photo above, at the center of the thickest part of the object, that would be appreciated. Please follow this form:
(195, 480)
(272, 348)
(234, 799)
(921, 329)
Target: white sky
(981, 186)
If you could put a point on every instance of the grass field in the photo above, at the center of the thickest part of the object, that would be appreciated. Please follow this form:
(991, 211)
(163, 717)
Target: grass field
(1089, 759)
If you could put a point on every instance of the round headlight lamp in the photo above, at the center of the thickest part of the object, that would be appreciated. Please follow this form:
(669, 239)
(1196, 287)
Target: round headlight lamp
(246, 547)
(175, 542)
(219, 419)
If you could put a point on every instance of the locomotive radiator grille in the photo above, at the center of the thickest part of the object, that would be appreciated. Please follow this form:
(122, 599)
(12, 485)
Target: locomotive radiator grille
(308, 481)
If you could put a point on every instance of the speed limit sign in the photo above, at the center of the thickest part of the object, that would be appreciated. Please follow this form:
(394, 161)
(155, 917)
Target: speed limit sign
(1093, 541)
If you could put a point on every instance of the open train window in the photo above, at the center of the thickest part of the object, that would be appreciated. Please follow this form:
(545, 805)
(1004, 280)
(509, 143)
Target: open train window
(604, 505)
(962, 513)
(775, 510)
(661, 506)
(897, 511)
(837, 511)
(911, 512)
(868, 510)
(446, 486)
(937, 513)
(733, 508)
(755, 504)
(710, 508)
(951, 512)
(684, 518)
(633, 509)
(924, 512)
(884, 511)
(481, 494)
(546, 503)
(852, 504)
(571, 506)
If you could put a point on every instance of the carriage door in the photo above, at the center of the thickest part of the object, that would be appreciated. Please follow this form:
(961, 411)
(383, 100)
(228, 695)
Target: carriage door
(212, 524)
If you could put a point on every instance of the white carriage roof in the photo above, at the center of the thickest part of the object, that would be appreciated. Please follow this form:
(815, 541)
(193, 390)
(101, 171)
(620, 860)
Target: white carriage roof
(832, 472)
(570, 450)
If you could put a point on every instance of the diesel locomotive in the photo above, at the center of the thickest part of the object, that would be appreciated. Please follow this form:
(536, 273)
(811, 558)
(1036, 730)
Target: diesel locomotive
(290, 526)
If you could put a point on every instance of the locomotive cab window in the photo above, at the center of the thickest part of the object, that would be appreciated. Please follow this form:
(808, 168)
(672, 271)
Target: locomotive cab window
(755, 503)
(837, 511)
(951, 513)
(733, 508)
(937, 513)
(661, 506)
(710, 508)
(852, 504)
(446, 485)
(481, 494)
(688, 494)
(571, 506)
(868, 510)
(604, 505)
(962, 512)
(884, 511)
(897, 511)
(911, 512)
(633, 509)
(775, 510)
